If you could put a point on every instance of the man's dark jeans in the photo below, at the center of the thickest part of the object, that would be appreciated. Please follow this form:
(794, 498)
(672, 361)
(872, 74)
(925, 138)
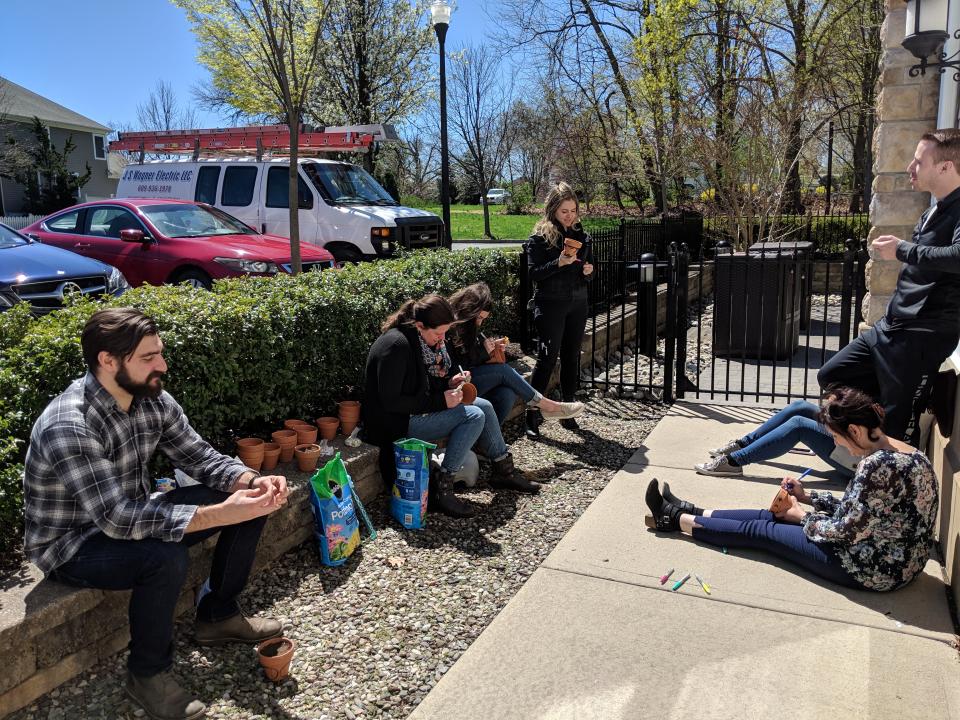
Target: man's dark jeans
(155, 570)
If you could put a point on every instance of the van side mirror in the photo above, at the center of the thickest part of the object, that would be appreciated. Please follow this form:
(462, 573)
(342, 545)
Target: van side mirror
(132, 236)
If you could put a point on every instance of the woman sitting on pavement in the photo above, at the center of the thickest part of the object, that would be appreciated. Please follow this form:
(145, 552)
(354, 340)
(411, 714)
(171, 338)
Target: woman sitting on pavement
(876, 537)
(797, 423)
(495, 380)
(412, 390)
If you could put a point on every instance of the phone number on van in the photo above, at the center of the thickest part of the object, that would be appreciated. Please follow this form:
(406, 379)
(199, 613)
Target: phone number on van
(155, 188)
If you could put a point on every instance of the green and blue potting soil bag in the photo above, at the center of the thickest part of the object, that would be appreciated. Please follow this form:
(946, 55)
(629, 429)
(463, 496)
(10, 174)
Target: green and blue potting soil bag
(332, 498)
(408, 501)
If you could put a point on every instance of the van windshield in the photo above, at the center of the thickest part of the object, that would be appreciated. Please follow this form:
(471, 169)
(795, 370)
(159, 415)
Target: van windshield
(346, 184)
(188, 221)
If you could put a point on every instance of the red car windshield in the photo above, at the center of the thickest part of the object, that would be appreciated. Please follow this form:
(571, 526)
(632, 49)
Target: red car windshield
(190, 221)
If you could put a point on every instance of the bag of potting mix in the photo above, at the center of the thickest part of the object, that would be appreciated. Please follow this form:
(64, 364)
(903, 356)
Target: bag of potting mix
(408, 501)
(335, 508)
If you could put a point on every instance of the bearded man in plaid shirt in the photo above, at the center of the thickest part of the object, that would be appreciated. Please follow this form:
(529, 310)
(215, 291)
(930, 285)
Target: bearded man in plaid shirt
(91, 520)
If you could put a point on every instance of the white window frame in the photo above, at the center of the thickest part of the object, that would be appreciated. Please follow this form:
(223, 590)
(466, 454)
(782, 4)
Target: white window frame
(93, 138)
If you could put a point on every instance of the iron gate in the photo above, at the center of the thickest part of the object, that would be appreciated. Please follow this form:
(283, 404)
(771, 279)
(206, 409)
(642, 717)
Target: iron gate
(714, 324)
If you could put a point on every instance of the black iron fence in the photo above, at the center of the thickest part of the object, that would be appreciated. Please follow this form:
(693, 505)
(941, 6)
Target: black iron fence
(710, 322)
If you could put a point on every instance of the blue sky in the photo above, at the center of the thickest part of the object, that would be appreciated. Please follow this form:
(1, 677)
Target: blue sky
(101, 58)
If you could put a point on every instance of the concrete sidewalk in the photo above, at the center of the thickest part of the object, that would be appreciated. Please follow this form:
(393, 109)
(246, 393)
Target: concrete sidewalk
(593, 634)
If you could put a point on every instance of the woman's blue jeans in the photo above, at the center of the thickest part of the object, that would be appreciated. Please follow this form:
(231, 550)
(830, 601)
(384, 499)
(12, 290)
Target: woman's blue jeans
(463, 426)
(760, 530)
(502, 385)
(796, 423)
(156, 570)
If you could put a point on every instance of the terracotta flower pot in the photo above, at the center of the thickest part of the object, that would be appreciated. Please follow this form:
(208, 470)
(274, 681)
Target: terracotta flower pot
(275, 656)
(781, 501)
(292, 423)
(250, 452)
(347, 426)
(349, 410)
(328, 427)
(271, 456)
(570, 247)
(469, 393)
(308, 455)
(286, 439)
(306, 433)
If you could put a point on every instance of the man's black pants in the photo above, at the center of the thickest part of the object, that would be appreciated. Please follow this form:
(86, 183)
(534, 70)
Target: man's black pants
(895, 367)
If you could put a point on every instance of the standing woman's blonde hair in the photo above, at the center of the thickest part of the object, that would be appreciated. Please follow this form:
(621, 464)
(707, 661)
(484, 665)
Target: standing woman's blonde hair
(545, 227)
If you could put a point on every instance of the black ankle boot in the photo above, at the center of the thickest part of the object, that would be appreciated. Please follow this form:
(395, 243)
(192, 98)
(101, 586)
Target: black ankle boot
(532, 420)
(441, 498)
(664, 516)
(684, 505)
(506, 477)
(570, 424)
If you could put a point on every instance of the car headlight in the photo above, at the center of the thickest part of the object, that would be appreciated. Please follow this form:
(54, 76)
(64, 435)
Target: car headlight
(248, 266)
(117, 283)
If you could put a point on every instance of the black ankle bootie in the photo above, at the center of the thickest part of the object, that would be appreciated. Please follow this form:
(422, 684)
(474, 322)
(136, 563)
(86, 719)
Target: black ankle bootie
(532, 420)
(684, 505)
(441, 498)
(570, 424)
(664, 516)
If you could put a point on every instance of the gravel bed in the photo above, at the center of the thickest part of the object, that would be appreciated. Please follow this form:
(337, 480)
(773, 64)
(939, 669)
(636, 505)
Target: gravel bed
(376, 634)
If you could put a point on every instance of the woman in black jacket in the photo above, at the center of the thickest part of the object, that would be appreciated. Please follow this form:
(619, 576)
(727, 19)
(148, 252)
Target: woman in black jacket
(560, 298)
(496, 381)
(413, 390)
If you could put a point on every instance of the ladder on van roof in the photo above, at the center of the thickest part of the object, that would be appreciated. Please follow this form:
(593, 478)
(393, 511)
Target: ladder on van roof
(252, 138)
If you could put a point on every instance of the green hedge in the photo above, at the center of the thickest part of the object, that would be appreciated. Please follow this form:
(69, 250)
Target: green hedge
(243, 357)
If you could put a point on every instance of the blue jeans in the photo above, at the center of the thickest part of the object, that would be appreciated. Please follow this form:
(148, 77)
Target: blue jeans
(463, 426)
(760, 530)
(795, 423)
(155, 571)
(502, 385)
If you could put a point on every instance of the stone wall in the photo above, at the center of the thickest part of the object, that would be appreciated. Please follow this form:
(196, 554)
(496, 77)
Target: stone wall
(906, 108)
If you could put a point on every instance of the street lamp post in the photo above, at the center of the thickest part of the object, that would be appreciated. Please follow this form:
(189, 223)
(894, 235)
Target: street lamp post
(440, 16)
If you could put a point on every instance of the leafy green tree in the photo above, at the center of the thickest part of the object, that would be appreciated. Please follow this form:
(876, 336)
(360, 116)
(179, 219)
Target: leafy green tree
(263, 57)
(42, 170)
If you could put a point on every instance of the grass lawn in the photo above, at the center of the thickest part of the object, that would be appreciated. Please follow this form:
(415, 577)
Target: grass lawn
(466, 223)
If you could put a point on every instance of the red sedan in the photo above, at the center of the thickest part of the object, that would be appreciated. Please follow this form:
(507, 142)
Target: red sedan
(170, 241)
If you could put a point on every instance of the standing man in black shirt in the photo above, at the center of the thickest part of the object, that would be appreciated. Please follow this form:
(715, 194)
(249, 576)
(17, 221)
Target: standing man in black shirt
(921, 327)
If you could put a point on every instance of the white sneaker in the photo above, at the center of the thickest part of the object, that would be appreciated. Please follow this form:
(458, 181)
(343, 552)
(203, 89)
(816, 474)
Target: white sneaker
(565, 411)
(720, 467)
(730, 447)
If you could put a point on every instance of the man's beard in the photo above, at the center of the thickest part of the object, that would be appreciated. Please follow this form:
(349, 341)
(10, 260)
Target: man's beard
(139, 390)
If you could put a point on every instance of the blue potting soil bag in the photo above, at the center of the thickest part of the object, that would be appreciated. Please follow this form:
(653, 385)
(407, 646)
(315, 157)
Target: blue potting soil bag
(336, 527)
(408, 501)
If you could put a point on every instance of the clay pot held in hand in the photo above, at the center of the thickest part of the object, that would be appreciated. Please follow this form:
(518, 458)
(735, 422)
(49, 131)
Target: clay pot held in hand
(308, 455)
(275, 656)
(469, 393)
(780, 502)
(328, 427)
(271, 456)
(286, 439)
(570, 247)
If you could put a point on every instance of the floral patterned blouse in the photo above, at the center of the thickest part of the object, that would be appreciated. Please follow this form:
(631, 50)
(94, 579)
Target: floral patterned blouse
(882, 526)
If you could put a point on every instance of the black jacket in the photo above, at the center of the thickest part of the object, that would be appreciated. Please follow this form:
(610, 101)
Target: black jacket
(469, 356)
(928, 288)
(552, 281)
(397, 386)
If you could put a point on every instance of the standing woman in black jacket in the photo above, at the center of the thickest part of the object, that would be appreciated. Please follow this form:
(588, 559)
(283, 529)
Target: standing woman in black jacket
(560, 298)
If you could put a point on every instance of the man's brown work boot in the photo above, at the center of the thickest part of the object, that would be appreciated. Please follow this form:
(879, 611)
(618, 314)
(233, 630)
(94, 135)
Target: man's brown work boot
(162, 698)
(237, 629)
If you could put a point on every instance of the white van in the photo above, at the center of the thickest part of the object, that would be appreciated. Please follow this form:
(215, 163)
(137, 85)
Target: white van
(342, 207)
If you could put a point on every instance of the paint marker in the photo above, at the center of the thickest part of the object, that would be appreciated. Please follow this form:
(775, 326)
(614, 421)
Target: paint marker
(802, 476)
(706, 588)
(664, 578)
(678, 583)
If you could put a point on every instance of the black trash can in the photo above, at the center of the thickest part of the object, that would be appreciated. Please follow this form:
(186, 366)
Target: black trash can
(802, 250)
(756, 309)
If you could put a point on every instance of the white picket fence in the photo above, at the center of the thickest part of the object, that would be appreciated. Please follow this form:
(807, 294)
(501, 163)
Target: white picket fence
(18, 222)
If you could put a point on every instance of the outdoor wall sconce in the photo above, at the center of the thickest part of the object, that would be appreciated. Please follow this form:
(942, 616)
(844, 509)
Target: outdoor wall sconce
(926, 33)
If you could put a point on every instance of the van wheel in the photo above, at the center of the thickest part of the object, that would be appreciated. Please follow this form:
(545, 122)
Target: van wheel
(345, 255)
(193, 278)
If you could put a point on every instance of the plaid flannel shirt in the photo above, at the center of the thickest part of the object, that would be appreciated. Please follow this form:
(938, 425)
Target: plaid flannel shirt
(87, 471)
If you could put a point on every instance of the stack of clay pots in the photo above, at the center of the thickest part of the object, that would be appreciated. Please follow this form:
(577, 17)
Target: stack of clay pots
(250, 452)
(349, 411)
(306, 432)
(287, 440)
(271, 456)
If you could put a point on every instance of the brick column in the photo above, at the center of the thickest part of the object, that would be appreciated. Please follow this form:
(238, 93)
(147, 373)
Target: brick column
(906, 108)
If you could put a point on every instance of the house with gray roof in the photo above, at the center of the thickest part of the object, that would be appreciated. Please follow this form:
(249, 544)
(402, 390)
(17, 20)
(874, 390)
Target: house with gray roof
(18, 107)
